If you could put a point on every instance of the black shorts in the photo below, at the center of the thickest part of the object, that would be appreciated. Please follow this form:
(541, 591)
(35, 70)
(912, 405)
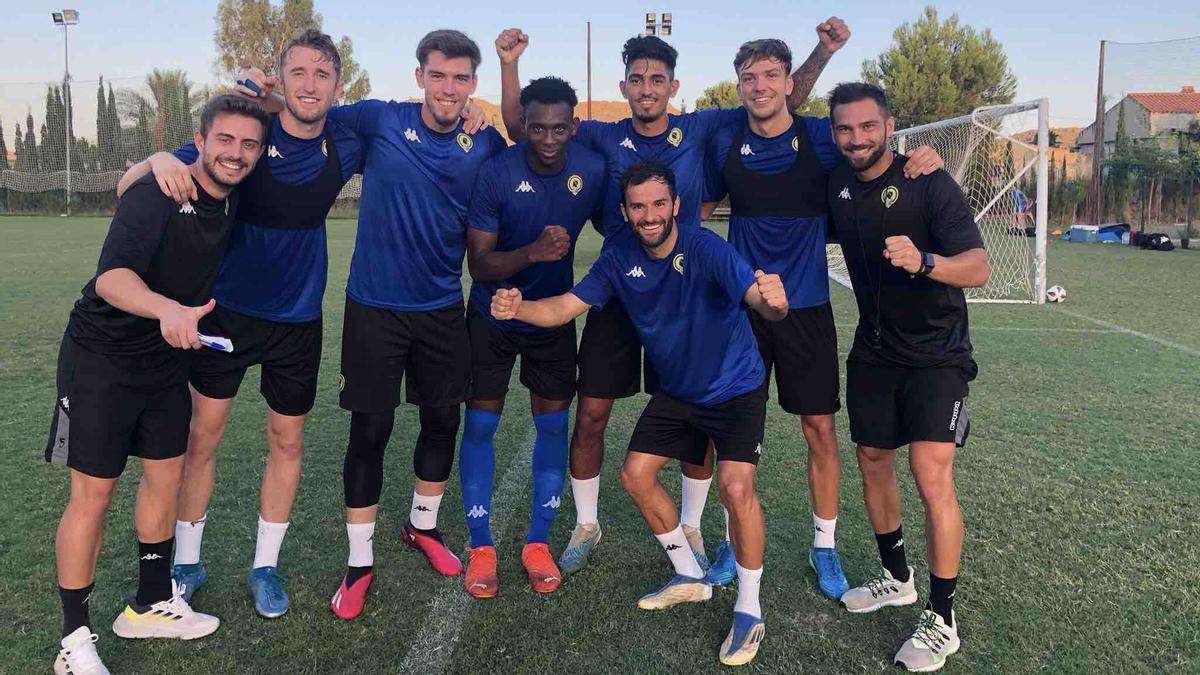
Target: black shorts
(672, 428)
(891, 407)
(110, 407)
(610, 356)
(803, 350)
(547, 359)
(289, 353)
(431, 350)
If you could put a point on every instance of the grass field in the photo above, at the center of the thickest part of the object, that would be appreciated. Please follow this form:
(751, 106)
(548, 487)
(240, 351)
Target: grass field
(1080, 488)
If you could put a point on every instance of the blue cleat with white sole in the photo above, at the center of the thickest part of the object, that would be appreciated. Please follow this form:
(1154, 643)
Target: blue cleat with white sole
(830, 577)
(745, 635)
(266, 587)
(189, 579)
(723, 570)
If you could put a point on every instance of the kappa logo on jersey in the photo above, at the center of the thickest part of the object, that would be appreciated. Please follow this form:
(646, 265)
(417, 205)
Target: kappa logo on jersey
(273, 151)
(746, 150)
(675, 137)
(524, 187)
(845, 193)
(477, 511)
(575, 183)
(636, 272)
(889, 196)
(465, 142)
(412, 136)
(66, 403)
(628, 144)
(677, 262)
(795, 144)
(188, 209)
(552, 503)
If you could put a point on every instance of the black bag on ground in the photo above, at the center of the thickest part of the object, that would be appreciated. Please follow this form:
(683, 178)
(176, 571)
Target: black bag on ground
(1157, 242)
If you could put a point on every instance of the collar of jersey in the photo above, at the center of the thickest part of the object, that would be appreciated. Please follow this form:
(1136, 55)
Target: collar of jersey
(897, 164)
(278, 132)
(671, 124)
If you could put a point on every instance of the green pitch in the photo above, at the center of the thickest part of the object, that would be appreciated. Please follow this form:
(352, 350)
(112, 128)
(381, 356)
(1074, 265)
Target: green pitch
(1080, 488)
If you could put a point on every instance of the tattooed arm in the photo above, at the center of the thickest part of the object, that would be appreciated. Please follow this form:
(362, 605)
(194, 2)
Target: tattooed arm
(832, 35)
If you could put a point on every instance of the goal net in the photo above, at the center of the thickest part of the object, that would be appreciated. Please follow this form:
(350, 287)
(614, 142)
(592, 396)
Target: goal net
(998, 155)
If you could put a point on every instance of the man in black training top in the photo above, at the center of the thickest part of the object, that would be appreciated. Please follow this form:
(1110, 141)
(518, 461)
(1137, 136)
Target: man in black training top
(123, 380)
(911, 246)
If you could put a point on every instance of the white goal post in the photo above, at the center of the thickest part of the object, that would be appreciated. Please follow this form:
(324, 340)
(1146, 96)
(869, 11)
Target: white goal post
(988, 157)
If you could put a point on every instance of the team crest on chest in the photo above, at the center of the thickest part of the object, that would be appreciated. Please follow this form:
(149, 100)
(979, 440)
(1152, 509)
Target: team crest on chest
(677, 262)
(795, 144)
(889, 196)
(575, 183)
(465, 142)
(675, 137)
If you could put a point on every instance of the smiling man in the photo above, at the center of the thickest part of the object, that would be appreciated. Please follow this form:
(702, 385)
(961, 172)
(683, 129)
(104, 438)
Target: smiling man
(529, 207)
(122, 380)
(269, 294)
(710, 379)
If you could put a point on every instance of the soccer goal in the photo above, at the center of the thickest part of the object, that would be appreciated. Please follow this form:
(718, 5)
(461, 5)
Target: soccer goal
(999, 156)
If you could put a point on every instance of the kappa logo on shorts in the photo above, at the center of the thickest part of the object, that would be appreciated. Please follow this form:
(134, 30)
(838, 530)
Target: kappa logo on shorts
(341, 382)
(758, 449)
(66, 403)
(954, 417)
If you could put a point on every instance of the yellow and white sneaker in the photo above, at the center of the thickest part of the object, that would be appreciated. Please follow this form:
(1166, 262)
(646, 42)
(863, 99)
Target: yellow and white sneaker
(930, 644)
(78, 654)
(678, 590)
(172, 618)
(745, 635)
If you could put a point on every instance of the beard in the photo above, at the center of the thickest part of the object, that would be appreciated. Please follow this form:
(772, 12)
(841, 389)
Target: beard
(306, 118)
(210, 166)
(868, 161)
(647, 116)
(663, 234)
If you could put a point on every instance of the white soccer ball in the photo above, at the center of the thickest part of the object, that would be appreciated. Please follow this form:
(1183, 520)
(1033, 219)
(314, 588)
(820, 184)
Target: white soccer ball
(1056, 294)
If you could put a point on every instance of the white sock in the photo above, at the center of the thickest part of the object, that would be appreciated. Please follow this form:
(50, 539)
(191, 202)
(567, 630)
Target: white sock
(823, 532)
(680, 552)
(362, 553)
(695, 495)
(188, 536)
(424, 512)
(726, 524)
(747, 600)
(270, 539)
(586, 493)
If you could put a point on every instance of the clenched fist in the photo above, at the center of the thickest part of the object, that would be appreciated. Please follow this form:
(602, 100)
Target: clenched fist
(832, 35)
(505, 303)
(552, 244)
(903, 254)
(178, 324)
(266, 84)
(770, 287)
(510, 44)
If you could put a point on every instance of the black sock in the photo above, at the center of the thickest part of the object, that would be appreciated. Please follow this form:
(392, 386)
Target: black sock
(353, 574)
(432, 532)
(75, 607)
(941, 598)
(154, 572)
(891, 552)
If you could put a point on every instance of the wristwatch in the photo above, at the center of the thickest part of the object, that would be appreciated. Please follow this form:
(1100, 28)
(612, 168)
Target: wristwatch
(926, 264)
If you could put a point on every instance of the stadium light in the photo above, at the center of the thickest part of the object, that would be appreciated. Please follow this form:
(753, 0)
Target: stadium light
(65, 18)
(657, 26)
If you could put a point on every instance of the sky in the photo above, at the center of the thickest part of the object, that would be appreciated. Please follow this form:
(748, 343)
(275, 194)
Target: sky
(1052, 47)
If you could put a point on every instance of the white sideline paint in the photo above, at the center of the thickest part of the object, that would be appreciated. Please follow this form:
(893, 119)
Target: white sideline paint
(440, 630)
(1129, 331)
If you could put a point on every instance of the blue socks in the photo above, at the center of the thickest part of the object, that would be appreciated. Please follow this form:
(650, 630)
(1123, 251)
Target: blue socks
(549, 472)
(476, 470)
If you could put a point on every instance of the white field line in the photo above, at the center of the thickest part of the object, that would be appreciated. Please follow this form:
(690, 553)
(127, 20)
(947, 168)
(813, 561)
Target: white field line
(443, 624)
(1129, 331)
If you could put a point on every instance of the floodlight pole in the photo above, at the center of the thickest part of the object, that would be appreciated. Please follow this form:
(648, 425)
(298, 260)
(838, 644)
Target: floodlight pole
(589, 70)
(1096, 192)
(67, 126)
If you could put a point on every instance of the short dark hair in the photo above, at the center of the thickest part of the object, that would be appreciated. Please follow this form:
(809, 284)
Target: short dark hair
(228, 104)
(313, 39)
(548, 91)
(649, 47)
(454, 44)
(758, 50)
(640, 172)
(852, 92)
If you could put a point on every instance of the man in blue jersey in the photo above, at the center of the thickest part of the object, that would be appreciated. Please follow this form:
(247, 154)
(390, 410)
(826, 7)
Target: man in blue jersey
(774, 168)
(685, 290)
(609, 353)
(529, 206)
(268, 295)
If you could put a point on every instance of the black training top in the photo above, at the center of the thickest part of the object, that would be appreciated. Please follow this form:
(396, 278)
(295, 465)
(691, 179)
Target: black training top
(175, 249)
(904, 320)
